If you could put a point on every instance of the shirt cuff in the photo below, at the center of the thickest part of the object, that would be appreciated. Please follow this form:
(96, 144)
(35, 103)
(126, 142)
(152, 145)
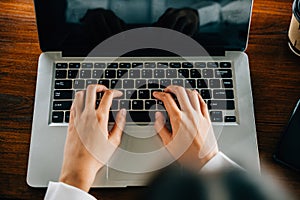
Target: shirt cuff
(59, 190)
(219, 162)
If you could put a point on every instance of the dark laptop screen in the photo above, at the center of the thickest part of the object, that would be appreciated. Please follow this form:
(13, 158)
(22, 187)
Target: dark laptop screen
(76, 26)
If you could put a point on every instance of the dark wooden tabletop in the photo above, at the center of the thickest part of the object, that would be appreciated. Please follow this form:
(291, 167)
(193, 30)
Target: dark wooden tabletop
(275, 75)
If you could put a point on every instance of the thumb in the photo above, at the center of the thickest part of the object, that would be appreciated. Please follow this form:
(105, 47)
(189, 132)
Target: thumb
(161, 128)
(117, 130)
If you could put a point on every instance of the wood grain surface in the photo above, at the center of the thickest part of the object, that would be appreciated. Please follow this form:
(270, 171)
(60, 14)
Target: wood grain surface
(275, 75)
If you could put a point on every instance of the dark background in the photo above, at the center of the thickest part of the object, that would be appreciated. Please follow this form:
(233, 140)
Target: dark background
(275, 74)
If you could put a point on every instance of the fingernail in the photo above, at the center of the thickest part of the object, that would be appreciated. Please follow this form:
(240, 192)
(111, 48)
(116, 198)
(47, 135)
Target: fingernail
(123, 111)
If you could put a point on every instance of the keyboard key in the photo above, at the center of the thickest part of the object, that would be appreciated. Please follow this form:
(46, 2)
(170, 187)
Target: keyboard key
(150, 65)
(156, 90)
(125, 65)
(115, 84)
(67, 116)
(60, 73)
(225, 65)
(63, 84)
(178, 82)
(114, 104)
(216, 116)
(63, 94)
(131, 94)
(150, 104)
(200, 64)
(74, 65)
(137, 65)
(98, 73)
(73, 73)
(128, 83)
(90, 82)
(79, 84)
(153, 83)
(62, 105)
(112, 65)
(190, 83)
(162, 65)
(144, 94)
(223, 73)
(230, 119)
(212, 65)
(159, 73)
(227, 83)
(202, 83)
(147, 73)
(134, 73)
(221, 104)
(122, 73)
(183, 73)
(110, 73)
(137, 105)
(207, 73)
(87, 65)
(57, 117)
(85, 73)
(205, 94)
(164, 83)
(140, 116)
(61, 65)
(187, 65)
(171, 73)
(175, 65)
(125, 104)
(104, 82)
(214, 83)
(195, 73)
(100, 65)
(140, 83)
(223, 94)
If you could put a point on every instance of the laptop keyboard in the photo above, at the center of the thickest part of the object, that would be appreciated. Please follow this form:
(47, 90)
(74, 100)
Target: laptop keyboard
(138, 80)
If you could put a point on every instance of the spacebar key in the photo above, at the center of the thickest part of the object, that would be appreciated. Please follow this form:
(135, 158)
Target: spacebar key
(140, 116)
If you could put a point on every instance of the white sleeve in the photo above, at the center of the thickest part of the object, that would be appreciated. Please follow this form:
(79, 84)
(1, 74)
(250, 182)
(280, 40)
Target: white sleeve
(209, 12)
(218, 163)
(62, 191)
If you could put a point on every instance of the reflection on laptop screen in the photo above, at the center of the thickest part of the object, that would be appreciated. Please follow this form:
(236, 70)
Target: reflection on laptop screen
(213, 23)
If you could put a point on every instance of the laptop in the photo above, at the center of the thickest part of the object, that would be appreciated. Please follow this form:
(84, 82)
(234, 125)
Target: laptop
(139, 47)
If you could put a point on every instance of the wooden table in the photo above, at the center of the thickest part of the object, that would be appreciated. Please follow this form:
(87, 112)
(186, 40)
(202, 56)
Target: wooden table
(275, 74)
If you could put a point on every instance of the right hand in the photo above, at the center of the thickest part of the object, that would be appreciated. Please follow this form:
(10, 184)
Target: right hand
(192, 139)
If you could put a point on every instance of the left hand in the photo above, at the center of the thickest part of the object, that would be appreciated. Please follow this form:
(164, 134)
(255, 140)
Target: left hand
(89, 144)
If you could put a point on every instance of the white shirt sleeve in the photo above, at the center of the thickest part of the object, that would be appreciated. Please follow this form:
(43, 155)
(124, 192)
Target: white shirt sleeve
(218, 163)
(62, 191)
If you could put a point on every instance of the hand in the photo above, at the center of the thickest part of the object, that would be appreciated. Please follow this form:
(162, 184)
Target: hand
(185, 20)
(192, 139)
(89, 145)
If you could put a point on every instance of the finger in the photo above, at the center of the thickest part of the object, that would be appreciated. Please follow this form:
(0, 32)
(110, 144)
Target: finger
(90, 97)
(193, 96)
(78, 103)
(117, 130)
(161, 128)
(168, 101)
(105, 104)
(181, 95)
(203, 106)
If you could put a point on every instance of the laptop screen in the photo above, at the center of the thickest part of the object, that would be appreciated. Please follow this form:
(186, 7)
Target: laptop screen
(76, 26)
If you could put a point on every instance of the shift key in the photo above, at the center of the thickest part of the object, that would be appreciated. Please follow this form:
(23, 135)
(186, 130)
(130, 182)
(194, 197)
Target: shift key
(62, 105)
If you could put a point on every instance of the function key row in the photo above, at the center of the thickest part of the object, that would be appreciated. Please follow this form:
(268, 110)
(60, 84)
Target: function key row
(143, 73)
(90, 65)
